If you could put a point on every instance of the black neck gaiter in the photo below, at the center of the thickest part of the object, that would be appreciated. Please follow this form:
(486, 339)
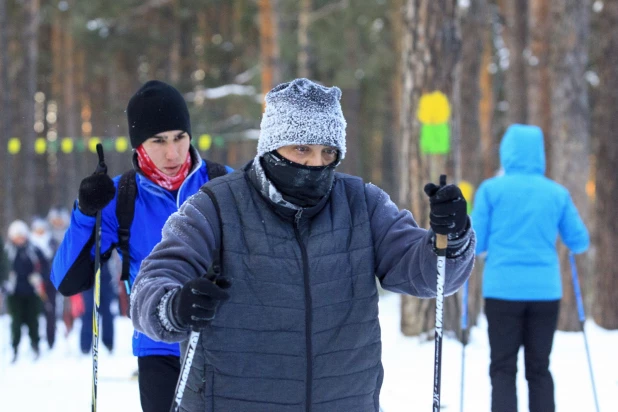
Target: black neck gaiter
(301, 185)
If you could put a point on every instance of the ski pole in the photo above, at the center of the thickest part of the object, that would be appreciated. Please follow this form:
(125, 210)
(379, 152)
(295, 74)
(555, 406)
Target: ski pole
(213, 272)
(441, 244)
(464, 340)
(101, 169)
(582, 320)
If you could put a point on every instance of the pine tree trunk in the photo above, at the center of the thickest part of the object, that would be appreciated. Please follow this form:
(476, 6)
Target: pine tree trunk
(269, 46)
(474, 27)
(431, 50)
(5, 120)
(31, 37)
(515, 37)
(392, 141)
(538, 90)
(605, 309)
(490, 159)
(570, 126)
(70, 110)
(174, 61)
(304, 18)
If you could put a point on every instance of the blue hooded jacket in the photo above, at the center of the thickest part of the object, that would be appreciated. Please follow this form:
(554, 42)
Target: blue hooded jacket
(517, 218)
(72, 270)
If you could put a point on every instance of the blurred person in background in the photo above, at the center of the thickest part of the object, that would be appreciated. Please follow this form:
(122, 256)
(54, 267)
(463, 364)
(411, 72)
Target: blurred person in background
(168, 170)
(59, 218)
(4, 274)
(518, 217)
(41, 237)
(24, 285)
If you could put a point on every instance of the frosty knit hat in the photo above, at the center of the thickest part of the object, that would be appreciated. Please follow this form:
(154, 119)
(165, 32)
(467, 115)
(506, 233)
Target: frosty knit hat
(156, 107)
(18, 228)
(302, 112)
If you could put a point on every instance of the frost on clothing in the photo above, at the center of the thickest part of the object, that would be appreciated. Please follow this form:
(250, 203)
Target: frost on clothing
(517, 218)
(302, 112)
(301, 326)
(153, 205)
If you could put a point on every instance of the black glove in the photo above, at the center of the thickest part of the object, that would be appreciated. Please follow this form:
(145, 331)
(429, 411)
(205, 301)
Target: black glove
(196, 303)
(95, 192)
(448, 209)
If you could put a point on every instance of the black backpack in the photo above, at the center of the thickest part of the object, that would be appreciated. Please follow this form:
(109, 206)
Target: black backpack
(125, 209)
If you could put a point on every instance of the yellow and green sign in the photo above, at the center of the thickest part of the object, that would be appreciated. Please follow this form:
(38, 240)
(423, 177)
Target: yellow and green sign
(434, 112)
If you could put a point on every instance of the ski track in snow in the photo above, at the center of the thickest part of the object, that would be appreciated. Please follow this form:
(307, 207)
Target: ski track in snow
(61, 379)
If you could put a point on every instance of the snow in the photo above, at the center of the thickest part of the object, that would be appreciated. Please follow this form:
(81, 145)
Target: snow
(61, 378)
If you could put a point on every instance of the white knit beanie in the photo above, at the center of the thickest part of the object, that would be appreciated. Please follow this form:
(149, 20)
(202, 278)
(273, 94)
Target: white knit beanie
(18, 228)
(302, 112)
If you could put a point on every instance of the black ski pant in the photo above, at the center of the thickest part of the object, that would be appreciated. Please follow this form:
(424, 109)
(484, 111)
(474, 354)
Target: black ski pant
(512, 324)
(24, 310)
(50, 315)
(158, 376)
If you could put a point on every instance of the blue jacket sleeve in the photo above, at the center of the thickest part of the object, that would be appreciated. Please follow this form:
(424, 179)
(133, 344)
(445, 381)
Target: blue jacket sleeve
(404, 253)
(572, 228)
(73, 265)
(181, 255)
(481, 218)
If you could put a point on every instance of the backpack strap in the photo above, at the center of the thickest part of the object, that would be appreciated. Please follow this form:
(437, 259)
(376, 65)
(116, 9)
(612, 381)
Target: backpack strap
(214, 170)
(218, 252)
(125, 209)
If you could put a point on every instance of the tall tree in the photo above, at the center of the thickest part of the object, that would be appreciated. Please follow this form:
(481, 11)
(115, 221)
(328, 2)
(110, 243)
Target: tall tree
(269, 46)
(475, 26)
(304, 21)
(538, 76)
(605, 310)
(431, 50)
(31, 38)
(514, 13)
(570, 124)
(5, 117)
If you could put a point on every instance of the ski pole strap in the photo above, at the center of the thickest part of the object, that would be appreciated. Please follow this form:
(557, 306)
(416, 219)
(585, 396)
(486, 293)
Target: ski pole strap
(125, 210)
(576, 289)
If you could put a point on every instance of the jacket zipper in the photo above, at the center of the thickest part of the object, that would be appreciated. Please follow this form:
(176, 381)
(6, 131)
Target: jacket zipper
(308, 310)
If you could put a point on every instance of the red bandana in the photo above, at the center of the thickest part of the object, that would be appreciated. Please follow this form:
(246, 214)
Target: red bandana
(153, 173)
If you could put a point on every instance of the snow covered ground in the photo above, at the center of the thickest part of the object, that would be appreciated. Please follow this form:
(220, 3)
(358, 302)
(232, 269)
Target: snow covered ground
(61, 379)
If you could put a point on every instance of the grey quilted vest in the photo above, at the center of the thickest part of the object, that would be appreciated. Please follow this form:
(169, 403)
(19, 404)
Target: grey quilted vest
(300, 332)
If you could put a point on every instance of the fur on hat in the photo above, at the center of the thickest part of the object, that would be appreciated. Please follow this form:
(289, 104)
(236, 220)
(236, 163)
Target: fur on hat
(302, 112)
(155, 108)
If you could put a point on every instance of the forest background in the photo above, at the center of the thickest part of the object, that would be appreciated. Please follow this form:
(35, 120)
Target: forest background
(429, 86)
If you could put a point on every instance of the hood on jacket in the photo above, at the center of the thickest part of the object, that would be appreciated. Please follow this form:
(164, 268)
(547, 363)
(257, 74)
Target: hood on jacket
(522, 150)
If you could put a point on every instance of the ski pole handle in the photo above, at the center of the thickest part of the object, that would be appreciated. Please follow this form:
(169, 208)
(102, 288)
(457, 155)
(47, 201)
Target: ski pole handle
(576, 288)
(214, 270)
(101, 166)
(442, 240)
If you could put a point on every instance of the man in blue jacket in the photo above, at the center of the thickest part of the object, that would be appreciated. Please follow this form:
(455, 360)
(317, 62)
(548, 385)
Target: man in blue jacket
(169, 170)
(301, 246)
(517, 218)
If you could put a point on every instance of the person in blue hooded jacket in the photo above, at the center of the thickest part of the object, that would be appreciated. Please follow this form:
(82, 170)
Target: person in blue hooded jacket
(517, 218)
(169, 170)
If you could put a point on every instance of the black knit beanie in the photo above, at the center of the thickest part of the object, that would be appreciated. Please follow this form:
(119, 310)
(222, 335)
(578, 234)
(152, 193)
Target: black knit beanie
(156, 107)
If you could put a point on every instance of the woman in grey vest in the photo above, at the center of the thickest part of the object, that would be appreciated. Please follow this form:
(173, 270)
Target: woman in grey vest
(296, 302)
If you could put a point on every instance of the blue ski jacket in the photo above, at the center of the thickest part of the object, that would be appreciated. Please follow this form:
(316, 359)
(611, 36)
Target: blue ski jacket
(73, 266)
(517, 218)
